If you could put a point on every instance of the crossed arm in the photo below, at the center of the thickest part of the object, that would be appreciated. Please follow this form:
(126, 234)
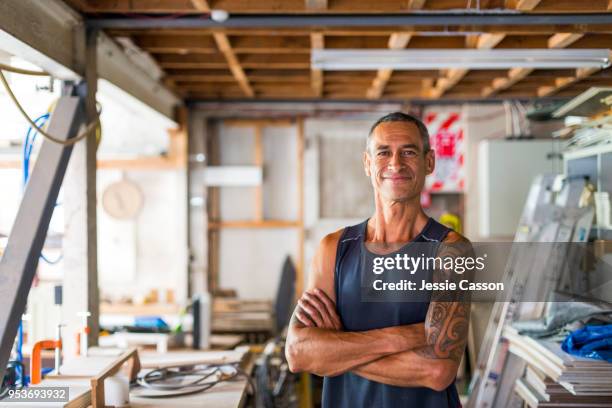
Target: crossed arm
(418, 355)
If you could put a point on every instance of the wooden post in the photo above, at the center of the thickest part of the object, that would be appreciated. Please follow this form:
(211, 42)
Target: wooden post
(299, 286)
(80, 285)
(213, 207)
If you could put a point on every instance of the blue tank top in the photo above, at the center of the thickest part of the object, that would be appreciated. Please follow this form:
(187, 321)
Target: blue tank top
(351, 390)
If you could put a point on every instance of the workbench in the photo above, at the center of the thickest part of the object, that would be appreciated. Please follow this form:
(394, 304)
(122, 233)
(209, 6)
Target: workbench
(76, 373)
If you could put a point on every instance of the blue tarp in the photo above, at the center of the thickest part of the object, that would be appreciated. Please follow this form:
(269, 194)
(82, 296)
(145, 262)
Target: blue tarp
(590, 341)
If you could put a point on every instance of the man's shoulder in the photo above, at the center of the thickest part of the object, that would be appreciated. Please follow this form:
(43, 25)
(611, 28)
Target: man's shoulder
(330, 241)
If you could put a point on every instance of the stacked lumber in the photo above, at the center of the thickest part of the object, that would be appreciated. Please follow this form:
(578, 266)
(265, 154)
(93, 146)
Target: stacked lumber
(238, 316)
(554, 378)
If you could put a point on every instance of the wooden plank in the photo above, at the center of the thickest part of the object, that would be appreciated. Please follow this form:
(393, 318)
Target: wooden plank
(213, 208)
(316, 5)
(234, 65)
(180, 44)
(562, 40)
(562, 83)
(527, 5)
(258, 44)
(317, 41)
(414, 4)
(396, 41)
(453, 76)
(500, 84)
(489, 40)
(559, 40)
(224, 46)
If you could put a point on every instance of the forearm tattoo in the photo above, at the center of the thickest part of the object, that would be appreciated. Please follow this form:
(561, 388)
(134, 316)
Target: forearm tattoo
(447, 321)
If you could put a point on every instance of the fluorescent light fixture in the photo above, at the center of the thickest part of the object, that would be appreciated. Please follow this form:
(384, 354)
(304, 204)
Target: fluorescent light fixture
(373, 59)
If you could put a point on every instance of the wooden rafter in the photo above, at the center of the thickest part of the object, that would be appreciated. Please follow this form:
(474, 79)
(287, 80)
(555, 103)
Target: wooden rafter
(226, 49)
(415, 4)
(315, 4)
(562, 83)
(234, 66)
(559, 40)
(317, 41)
(276, 6)
(453, 76)
(527, 5)
(397, 41)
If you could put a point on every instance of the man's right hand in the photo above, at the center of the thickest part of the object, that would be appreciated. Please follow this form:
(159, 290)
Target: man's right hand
(316, 309)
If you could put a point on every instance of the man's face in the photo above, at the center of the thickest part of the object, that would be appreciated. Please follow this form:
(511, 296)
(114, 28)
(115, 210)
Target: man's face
(396, 162)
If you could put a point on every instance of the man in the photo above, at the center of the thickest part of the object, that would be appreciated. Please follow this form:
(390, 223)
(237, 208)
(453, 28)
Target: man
(382, 354)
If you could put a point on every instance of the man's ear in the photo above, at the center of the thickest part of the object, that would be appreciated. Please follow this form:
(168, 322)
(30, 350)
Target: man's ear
(366, 163)
(430, 161)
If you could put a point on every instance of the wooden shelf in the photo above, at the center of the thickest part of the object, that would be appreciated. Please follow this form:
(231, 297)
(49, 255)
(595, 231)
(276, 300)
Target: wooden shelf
(247, 224)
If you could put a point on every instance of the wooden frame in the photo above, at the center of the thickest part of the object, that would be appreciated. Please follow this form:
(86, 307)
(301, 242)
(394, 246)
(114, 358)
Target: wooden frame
(215, 224)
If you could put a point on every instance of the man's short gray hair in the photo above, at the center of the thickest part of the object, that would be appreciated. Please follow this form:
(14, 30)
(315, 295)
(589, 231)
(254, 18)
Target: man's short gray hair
(403, 117)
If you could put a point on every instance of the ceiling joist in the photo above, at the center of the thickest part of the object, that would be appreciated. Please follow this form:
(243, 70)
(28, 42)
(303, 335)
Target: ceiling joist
(515, 75)
(397, 41)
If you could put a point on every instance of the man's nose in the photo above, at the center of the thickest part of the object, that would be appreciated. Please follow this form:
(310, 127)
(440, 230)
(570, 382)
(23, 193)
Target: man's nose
(395, 162)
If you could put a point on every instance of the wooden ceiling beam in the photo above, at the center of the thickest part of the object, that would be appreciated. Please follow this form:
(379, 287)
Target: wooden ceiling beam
(226, 49)
(270, 44)
(414, 4)
(562, 40)
(315, 5)
(485, 42)
(397, 41)
(559, 40)
(184, 44)
(562, 83)
(527, 5)
(300, 6)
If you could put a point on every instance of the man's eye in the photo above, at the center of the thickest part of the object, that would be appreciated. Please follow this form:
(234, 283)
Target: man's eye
(409, 153)
(383, 153)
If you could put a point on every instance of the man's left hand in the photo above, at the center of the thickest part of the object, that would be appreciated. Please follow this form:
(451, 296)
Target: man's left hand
(316, 309)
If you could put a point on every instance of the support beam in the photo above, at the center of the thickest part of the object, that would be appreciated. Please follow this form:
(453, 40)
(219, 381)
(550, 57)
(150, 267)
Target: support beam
(562, 40)
(80, 248)
(317, 41)
(559, 40)
(397, 41)
(414, 4)
(315, 5)
(33, 29)
(234, 66)
(562, 83)
(527, 5)
(116, 67)
(20, 259)
(453, 76)
(230, 56)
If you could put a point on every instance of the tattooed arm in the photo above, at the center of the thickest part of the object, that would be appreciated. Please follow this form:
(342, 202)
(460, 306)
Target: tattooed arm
(435, 364)
(315, 339)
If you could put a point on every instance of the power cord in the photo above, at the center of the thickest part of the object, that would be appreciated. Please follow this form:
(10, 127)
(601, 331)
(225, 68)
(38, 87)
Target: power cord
(91, 127)
(189, 378)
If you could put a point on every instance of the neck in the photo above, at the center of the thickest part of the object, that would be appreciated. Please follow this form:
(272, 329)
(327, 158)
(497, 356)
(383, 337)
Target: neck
(396, 221)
